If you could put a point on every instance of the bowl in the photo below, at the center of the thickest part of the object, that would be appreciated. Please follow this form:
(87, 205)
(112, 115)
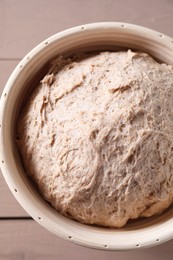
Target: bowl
(97, 36)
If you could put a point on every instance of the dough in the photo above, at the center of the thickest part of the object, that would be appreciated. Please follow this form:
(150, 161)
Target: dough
(96, 136)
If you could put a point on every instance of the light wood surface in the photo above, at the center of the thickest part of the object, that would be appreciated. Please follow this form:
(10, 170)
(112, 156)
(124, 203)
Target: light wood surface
(9, 207)
(24, 24)
(6, 68)
(27, 240)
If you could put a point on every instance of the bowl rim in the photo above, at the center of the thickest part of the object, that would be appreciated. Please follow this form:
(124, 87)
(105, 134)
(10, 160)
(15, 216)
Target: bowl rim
(160, 233)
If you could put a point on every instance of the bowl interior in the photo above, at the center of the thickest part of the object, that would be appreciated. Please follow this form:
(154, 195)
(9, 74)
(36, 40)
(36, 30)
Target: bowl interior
(103, 36)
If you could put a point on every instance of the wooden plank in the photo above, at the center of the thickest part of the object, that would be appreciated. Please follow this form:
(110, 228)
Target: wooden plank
(24, 24)
(6, 68)
(8, 204)
(28, 240)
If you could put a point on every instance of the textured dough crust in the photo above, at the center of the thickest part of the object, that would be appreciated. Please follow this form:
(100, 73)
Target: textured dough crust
(97, 137)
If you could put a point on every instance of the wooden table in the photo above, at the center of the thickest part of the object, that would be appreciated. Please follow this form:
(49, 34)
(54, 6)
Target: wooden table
(24, 24)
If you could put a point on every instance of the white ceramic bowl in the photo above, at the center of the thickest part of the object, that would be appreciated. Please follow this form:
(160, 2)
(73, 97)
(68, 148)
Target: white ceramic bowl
(107, 35)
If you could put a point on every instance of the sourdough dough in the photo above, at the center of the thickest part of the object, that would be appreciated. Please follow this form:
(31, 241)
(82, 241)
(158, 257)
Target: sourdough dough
(96, 136)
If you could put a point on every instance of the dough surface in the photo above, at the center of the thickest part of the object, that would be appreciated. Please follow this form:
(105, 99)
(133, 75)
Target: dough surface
(96, 136)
